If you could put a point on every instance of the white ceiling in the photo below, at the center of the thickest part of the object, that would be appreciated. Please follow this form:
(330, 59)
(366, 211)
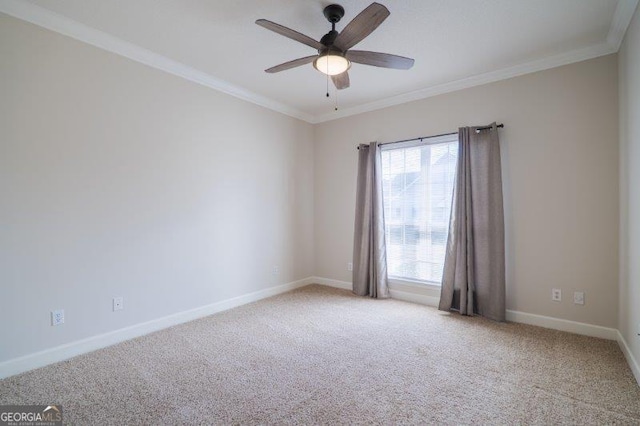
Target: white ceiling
(456, 43)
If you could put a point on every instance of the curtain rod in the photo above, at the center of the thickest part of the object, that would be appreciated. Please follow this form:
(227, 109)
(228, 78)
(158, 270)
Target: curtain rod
(500, 126)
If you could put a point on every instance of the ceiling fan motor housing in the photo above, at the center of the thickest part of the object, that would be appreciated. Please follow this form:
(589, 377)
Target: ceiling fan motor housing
(328, 39)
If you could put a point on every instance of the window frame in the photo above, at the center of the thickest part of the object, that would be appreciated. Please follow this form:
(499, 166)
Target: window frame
(434, 140)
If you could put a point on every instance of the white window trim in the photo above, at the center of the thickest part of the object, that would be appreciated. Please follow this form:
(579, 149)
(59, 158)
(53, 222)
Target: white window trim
(420, 142)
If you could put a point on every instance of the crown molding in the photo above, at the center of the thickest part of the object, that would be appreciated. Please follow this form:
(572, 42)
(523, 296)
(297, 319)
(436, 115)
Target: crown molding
(620, 22)
(476, 80)
(68, 27)
(55, 22)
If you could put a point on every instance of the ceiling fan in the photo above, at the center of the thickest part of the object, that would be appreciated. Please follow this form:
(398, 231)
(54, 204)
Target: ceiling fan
(334, 56)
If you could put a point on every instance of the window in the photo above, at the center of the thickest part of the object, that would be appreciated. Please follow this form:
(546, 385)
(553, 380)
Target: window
(418, 180)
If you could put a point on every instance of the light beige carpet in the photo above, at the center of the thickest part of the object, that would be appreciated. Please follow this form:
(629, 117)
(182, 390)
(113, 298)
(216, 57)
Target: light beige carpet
(321, 355)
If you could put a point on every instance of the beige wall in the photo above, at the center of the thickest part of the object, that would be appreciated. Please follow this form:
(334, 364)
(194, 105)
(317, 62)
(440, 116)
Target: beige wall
(560, 171)
(629, 321)
(117, 179)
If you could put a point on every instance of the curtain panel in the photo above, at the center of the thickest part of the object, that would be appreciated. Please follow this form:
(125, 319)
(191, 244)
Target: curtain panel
(369, 250)
(474, 268)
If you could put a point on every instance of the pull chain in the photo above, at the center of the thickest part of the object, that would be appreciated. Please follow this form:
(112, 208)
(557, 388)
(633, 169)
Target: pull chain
(327, 85)
(327, 77)
(336, 107)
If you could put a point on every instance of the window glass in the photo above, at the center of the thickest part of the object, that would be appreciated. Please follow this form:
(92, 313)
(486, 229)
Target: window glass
(417, 190)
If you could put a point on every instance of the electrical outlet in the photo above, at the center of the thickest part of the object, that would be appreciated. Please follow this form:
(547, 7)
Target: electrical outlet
(578, 297)
(350, 266)
(556, 295)
(276, 270)
(57, 317)
(118, 304)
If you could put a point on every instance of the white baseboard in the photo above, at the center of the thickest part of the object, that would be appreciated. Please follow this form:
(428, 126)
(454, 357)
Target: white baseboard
(514, 316)
(332, 283)
(633, 363)
(563, 325)
(69, 350)
(395, 294)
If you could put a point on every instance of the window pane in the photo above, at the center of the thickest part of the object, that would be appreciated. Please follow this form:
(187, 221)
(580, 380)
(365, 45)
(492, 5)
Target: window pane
(417, 190)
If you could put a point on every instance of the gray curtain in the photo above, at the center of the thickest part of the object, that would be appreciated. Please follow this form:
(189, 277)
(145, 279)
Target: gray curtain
(474, 271)
(369, 251)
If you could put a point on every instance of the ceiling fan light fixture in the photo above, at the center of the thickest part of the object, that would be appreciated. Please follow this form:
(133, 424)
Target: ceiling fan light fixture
(331, 64)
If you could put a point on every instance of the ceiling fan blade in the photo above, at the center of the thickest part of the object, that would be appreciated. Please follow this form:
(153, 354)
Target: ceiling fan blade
(361, 26)
(376, 59)
(288, 32)
(341, 81)
(291, 64)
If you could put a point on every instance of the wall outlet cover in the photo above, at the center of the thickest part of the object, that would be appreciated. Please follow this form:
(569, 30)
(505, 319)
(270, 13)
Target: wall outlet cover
(57, 317)
(578, 297)
(118, 304)
(350, 266)
(556, 295)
